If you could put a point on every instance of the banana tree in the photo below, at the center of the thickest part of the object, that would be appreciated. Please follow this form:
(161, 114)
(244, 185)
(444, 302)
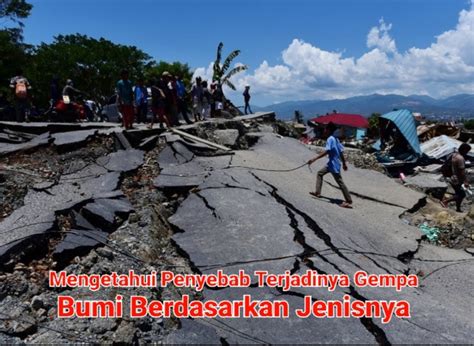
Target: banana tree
(221, 73)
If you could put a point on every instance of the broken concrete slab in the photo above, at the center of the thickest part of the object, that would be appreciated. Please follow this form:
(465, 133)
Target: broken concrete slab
(199, 140)
(197, 148)
(80, 222)
(86, 183)
(266, 116)
(10, 139)
(72, 139)
(122, 160)
(174, 154)
(77, 243)
(180, 178)
(37, 128)
(226, 234)
(103, 212)
(227, 137)
(44, 185)
(40, 140)
(427, 183)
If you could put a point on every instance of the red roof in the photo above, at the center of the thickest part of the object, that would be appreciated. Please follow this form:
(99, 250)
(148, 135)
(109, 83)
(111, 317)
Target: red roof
(351, 120)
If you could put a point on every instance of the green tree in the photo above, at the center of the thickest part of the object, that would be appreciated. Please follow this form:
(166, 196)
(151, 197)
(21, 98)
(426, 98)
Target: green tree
(155, 70)
(13, 55)
(15, 10)
(93, 64)
(13, 52)
(373, 129)
(221, 72)
(469, 124)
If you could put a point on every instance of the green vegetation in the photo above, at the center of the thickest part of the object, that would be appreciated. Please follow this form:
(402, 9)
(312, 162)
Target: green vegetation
(176, 68)
(221, 72)
(93, 64)
(469, 124)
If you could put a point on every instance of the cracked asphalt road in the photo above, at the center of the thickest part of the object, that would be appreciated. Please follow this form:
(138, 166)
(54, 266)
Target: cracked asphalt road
(239, 218)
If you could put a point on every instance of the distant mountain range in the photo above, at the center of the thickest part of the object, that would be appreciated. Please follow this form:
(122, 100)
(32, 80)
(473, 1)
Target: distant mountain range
(454, 107)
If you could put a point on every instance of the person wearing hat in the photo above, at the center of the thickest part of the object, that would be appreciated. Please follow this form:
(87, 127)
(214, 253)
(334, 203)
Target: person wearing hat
(125, 100)
(335, 152)
(247, 99)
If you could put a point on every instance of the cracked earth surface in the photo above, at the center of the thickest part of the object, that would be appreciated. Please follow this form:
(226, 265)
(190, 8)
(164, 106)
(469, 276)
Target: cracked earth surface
(239, 218)
(186, 208)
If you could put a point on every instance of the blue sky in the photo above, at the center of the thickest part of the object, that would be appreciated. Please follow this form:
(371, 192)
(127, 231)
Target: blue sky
(295, 49)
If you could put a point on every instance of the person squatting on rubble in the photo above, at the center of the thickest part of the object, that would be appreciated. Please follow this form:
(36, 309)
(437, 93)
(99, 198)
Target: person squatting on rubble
(125, 99)
(141, 101)
(247, 99)
(454, 172)
(21, 95)
(158, 103)
(335, 152)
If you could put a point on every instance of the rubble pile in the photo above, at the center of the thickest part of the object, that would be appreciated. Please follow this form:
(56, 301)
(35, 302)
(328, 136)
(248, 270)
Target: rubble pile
(454, 230)
(112, 207)
(357, 157)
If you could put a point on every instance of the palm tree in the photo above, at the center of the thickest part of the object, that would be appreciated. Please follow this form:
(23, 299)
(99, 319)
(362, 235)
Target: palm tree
(220, 73)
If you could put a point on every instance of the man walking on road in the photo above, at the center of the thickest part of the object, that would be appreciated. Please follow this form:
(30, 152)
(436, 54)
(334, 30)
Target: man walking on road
(335, 152)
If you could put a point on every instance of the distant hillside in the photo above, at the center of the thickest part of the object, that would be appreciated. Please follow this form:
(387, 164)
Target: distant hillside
(457, 106)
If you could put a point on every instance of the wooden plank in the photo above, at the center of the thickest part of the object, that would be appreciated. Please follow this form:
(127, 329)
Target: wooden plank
(198, 139)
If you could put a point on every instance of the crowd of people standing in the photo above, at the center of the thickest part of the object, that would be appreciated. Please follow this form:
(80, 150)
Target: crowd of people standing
(168, 93)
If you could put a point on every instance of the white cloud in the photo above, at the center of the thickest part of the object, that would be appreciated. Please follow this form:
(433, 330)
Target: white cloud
(378, 37)
(444, 68)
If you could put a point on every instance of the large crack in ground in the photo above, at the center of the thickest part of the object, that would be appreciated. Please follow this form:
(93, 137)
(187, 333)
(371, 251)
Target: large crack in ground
(368, 323)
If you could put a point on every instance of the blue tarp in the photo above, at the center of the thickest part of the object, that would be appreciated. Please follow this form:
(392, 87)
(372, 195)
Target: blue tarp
(405, 122)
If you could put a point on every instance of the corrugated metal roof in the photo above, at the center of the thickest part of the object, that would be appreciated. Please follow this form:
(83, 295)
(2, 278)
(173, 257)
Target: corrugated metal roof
(439, 147)
(405, 122)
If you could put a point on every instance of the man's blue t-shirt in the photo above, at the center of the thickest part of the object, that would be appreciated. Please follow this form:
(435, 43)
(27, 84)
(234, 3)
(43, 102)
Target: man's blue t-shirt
(334, 149)
(125, 91)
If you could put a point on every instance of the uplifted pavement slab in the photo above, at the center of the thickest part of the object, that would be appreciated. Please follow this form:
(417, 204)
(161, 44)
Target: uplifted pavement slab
(78, 242)
(104, 211)
(40, 140)
(41, 127)
(66, 140)
(174, 153)
(122, 160)
(428, 183)
(85, 183)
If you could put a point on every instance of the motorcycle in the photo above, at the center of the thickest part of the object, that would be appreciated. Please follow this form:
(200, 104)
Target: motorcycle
(66, 110)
